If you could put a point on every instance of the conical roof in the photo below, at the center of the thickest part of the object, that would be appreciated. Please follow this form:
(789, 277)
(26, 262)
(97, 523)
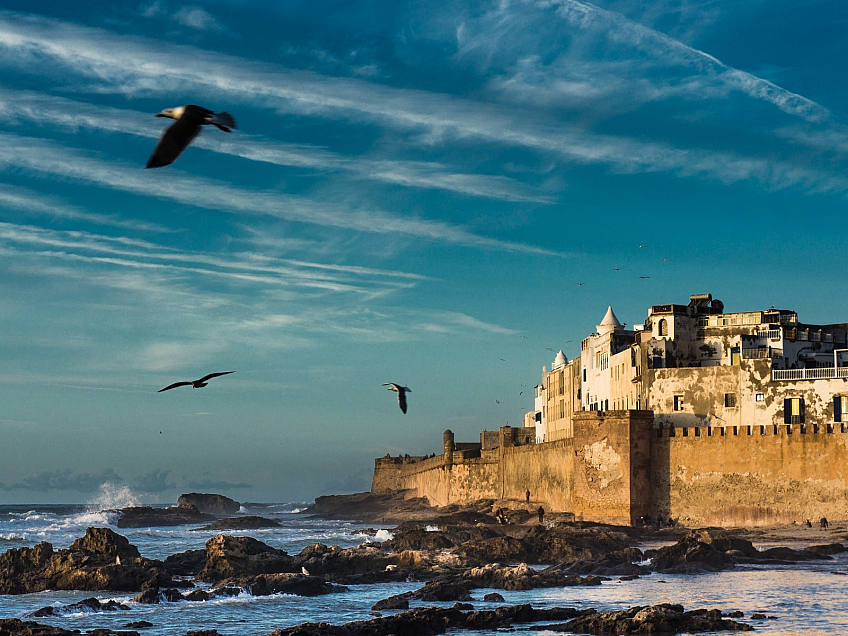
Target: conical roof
(609, 323)
(560, 359)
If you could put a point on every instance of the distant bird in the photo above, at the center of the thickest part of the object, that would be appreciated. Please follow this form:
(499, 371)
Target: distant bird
(520, 392)
(579, 283)
(501, 359)
(640, 246)
(644, 277)
(303, 570)
(549, 349)
(401, 391)
(616, 269)
(497, 401)
(665, 260)
(189, 120)
(195, 384)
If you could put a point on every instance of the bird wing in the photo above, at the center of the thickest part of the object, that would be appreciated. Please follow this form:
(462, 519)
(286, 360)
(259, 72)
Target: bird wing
(173, 141)
(175, 384)
(214, 375)
(402, 401)
(392, 386)
(222, 120)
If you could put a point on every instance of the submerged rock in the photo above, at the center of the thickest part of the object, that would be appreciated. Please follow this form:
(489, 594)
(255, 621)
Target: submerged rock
(85, 605)
(247, 522)
(212, 504)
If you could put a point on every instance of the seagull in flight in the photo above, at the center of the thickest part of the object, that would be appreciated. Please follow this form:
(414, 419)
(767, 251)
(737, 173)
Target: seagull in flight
(196, 384)
(644, 277)
(579, 283)
(616, 269)
(401, 391)
(640, 246)
(665, 260)
(188, 122)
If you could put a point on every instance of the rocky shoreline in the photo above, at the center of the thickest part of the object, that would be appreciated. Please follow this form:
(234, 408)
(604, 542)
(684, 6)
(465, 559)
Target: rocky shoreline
(451, 552)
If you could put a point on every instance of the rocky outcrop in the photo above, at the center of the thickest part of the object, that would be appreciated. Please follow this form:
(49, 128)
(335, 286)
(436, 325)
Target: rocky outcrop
(17, 627)
(101, 560)
(656, 619)
(398, 601)
(228, 557)
(324, 560)
(248, 522)
(433, 620)
(289, 583)
(187, 563)
(393, 507)
(618, 563)
(85, 605)
(711, 550)
(212, 504)
(146, 516)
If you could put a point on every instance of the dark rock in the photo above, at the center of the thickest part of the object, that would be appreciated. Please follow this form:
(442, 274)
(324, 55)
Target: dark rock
(433, 620)
(203, 632)
(392, 507)
(150, 596)
(758, 617)
(17, 627)
(187, 563)
(146, 516)
(343, 564)
(212, 504)
(247, 522)
(701, 551)
(443, 591)
(171, 594)
(619, 562)
(830, 548)
(788, 555)
(736, 614)
(463, 606)
(657, 619)
(518, 577)
(287, 583)
(399, 601)
(137, 625)
(197, 595)
(88, 604)
(100, 561)
(228, 556)
(494, 597)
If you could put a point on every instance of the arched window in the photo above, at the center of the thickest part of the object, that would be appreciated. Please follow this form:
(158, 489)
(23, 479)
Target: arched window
(663, 327)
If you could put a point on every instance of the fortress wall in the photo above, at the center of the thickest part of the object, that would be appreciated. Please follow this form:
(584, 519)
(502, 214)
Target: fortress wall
(750, 479)
(547, 469)
(612, 465)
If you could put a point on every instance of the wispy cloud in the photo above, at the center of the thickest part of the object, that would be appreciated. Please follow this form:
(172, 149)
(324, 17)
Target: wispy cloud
(49, 158)
(66, 114)
(65, 480)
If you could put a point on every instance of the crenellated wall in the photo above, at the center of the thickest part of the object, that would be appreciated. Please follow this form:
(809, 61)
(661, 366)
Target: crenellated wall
(618, 467)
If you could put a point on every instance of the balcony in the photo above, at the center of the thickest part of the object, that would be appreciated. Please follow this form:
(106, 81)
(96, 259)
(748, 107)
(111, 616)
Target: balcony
(825, 373)
(771, 334)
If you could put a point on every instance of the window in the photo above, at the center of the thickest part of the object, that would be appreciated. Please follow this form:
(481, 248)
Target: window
(663, 327)
(840, 408)
(561, 409)
(760, 397)
(793, 411)
(678, 402)
(729, 400)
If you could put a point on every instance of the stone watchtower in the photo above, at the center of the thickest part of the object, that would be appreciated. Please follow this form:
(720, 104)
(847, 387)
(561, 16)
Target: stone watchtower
(447, 440)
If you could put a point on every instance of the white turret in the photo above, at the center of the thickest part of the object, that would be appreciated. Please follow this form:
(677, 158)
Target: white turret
(560, 360)
(609, 323)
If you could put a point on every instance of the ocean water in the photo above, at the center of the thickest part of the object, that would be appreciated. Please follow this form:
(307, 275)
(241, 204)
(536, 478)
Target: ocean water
(808, 599)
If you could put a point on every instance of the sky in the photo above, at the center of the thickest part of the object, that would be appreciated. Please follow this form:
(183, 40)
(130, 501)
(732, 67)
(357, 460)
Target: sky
(441, 195)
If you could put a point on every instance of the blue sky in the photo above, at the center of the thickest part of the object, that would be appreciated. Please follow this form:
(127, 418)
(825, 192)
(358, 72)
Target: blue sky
(412, 194)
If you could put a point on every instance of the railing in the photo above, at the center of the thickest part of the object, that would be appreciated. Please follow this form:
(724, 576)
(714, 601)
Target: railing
(815, 337)
(771, 334)
(824, 373)
(755, 354)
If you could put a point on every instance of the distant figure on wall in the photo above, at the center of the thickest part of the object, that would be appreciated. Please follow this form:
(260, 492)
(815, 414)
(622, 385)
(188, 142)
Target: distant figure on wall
(527, 496)
(499, 515)
(541, 512)
(809, 524)
(823, 523)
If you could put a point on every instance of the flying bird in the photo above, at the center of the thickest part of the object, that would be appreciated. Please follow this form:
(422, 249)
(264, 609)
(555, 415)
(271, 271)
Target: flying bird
(401, 391)
(665, 260)
(644, 277)
(188, 122)
(579, 283)
(640, 246)
(195, 384)
(616, 269)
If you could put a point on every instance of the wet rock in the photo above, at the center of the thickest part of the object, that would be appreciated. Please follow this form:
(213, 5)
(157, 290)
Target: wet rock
(345, 563)
(433, 620)
(137, 625)
(100, 561)
(444, 591)
(17, 627)
(788, 555)
(150, 596)
(830, 548)
(520, 577)
(187, 563)
(85, 605)
(617, 563)
(228, 557)
(399, 601)
(494, 597)
(197, 595)
(656, 619)
(287, 583)
(212, 504)
(463, 606)
(391, 507)
(702, 551)
(247, 522)
(146, 516)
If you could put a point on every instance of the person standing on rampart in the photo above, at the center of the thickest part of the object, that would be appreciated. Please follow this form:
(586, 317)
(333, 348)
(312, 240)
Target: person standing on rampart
(541, 512)
(527, 496)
